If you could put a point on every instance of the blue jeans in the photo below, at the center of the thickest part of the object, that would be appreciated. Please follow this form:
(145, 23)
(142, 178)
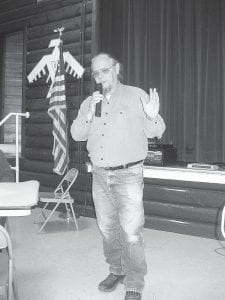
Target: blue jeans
(119, 209)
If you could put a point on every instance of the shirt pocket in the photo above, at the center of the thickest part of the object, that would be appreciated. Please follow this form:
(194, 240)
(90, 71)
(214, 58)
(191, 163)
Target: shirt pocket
(123, 116)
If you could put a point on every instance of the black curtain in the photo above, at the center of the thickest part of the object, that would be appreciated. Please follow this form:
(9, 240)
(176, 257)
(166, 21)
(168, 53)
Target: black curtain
(177, 46)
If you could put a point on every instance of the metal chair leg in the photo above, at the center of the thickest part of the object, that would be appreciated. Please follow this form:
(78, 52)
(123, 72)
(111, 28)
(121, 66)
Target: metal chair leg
(15, 286)
(74, 216)
(49, 216)
(41, 213)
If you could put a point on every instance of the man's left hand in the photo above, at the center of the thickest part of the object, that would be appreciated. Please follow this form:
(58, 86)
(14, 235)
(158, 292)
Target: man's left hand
(151, 108)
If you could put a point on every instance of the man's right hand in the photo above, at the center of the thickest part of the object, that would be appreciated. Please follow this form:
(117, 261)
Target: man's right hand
(95, 98)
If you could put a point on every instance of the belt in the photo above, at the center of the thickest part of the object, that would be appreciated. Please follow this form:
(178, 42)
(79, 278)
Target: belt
(123, 166)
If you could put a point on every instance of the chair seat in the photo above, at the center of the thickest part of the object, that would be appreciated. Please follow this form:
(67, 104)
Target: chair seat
(51, 197)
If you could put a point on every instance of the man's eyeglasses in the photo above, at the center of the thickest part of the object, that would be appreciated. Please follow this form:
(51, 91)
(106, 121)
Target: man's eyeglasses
(103, 71)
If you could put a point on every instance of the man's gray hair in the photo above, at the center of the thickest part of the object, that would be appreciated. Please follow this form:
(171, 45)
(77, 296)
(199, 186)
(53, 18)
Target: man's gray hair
(102, 54)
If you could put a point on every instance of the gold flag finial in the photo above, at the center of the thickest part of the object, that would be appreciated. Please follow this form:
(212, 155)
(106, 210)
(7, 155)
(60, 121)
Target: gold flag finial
(59, 30)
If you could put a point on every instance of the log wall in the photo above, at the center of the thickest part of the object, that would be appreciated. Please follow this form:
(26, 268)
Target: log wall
(38, 22)
(76, 18)
(12, 93)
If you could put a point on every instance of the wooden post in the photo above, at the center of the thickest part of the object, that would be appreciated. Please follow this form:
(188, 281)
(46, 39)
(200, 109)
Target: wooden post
(95, 27)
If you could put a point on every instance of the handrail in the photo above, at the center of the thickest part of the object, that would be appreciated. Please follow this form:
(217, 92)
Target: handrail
(26, 115)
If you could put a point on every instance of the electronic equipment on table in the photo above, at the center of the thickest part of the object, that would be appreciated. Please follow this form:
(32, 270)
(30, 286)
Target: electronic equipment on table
(201, 166)
(160, 154)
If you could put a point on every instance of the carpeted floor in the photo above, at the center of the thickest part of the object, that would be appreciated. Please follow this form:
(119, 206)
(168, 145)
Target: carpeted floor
(62, 264)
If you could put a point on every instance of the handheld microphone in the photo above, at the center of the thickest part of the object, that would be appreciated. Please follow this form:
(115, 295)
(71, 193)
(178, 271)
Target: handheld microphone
(98, 107)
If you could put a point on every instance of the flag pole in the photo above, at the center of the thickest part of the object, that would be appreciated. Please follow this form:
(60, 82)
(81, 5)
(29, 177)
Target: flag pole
(60, 31)
(58, 110)
(64, 214)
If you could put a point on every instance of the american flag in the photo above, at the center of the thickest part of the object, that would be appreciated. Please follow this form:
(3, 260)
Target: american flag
(57, 111)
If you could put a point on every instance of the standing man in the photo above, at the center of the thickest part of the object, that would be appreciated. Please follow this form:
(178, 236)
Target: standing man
(117, 142)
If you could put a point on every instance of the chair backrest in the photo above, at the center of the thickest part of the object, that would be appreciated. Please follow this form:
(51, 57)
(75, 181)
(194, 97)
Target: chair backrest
(66, 183)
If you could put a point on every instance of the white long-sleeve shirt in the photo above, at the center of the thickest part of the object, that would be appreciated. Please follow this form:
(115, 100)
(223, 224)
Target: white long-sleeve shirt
(120, 135)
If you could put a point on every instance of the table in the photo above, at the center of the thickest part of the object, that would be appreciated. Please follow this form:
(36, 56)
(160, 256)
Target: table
(14, 212)
(185, 174)
(18, 198)
(185, 200)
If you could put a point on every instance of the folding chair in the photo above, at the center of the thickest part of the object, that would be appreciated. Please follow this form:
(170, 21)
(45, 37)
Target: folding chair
(59, 196)
(8, 284)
